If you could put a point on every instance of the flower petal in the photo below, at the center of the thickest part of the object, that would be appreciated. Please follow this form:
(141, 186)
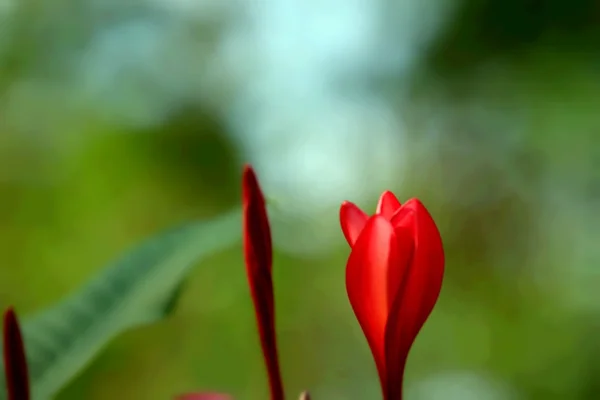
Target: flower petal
(257, 233)
(353, 220)
(15, 363)
(258, 254)
(418, 293)
(427, 272)
(388, 204)
(376, 252)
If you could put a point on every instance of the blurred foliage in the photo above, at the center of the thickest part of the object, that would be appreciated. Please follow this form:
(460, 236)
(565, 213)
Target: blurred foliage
(484, 30)
(140, 288)
(502, 135)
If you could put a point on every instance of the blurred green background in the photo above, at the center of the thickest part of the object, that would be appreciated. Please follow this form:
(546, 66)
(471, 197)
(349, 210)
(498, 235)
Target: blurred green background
(121, 118)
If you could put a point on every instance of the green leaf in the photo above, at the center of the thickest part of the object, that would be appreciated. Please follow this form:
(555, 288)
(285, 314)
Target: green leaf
(140, 288)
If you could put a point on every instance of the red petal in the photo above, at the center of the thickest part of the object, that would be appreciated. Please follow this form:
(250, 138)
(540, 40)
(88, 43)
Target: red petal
(427, 272)
(418, 293)
(353, 220)
(257, 233)
(259, 255)
(204, 396)
(388, 205)
(15, 364)
(376, 253)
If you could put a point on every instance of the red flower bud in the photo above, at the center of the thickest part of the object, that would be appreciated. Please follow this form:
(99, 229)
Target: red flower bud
(258, 254)
(393, 278)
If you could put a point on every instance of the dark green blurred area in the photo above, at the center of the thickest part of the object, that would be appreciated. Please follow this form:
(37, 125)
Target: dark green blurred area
(503, 122)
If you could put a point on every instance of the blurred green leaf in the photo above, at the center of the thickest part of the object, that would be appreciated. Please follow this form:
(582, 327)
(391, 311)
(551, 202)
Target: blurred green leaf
(140, 288)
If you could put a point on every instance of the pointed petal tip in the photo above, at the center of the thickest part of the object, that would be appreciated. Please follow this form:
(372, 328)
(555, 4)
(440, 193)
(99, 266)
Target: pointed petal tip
(9, 315)
(11, 325)
(255, 225)
(344, 208)
(247, 169)
(251, 188)
(15, 364)
(416, 204)
(249, 177)
(388, 204)
(352, 221)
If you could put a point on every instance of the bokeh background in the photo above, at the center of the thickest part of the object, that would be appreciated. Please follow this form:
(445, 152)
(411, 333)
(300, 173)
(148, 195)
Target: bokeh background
(121, 118)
